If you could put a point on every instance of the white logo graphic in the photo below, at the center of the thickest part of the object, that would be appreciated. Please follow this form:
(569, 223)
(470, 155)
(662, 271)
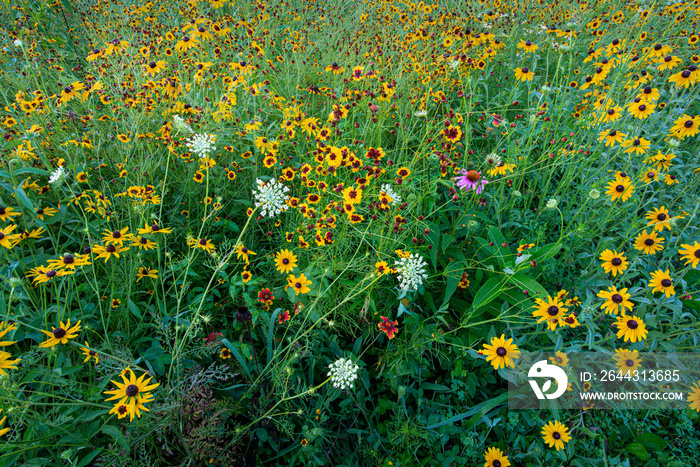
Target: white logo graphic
(542, 369)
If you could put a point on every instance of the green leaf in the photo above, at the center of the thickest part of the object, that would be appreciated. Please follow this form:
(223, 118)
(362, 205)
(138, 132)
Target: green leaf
(114, 432)
(638, 450)
(453, 275)
(238, 356)
(488, 292)
(525, 282)
(89, 458)
(652, 441)
(134, 309)
(270, 330)
(477, 411)
(22, 196)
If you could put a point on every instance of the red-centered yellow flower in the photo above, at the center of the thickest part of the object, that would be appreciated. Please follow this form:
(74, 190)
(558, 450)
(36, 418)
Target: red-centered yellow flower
(560, 359)
(555, 434)
(631, 328)
(661, 282)
(390, 328)
(382, 268)
(501, 352)
(690, 254)
(615, 301)
(61, 334)
(614, 262)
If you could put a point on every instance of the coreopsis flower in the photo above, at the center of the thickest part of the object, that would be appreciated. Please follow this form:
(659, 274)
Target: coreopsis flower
(89, 353)
(389, 191)
(552, 310)
(690, 254)
(343, 372)
(390, 328)
(285, 261)
(555, 434)
(298, 284)
(627, 361)
(615, 301)
(661, 282)
(202, 145)
(132, 394)
(648, 243)
(631, 328)
(411, 271)
(501, 352)
(560, 359)
(270, 197)
(494, 456)
(471, 180)
(524, 74)
(61, 334)
(614, 262)
(225, 354)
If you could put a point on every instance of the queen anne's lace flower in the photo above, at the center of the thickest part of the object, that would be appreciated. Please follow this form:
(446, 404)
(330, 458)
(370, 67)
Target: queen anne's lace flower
(396, 199)
(181, 125)
(201, 144)
(343, 373)
(58, 176)
(270, 197)
(411, 271)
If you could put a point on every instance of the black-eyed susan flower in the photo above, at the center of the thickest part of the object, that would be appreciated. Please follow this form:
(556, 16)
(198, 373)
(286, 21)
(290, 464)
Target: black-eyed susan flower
(106, 252)
(300, 284)
(524, 74)
(560, 359)
(2, 422)
(685, 126)
(89, 353)
(636, 145)
(611, 137)
(648, 243)
(142, 273)
(243, 252)
(117, 237)
(661, 282)
(659, 218)
(132, 394)
(641, 110)
(7, 238)
(7, 213)
(154, 229)
(555, 434)
(501, 352)
(631, 328)
(285, 261)
(202, 243)
(616, 301)
(613, 262)
(620, 188)
(61, 334)
(6, 362)
(495, 458)
(690, 254)
(48, 212)
(694, 396)
(552, 310)
(627, 361)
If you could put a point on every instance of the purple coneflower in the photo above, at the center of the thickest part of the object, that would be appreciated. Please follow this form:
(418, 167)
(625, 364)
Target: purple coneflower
(471, 180)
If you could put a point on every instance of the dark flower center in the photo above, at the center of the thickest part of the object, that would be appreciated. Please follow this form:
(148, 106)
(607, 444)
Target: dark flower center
(501, 351)
(651, 174)
(116, 234)
(616, 261)
(244, 250)
(617, 298)
(666, 283)
(688, 124)
(629, 362)
(620, 188)
(155, 228)
(553, 310)
(697, 253)
(473, 176)
(51, 274)
(556, 435)
(58, 333)
(202, 242)
(132, 390)
(632, 324)
(111, 248)
(40, 212)
(496, 463)
(68, 259)
(92, 353)
(285, 261)
(526, 69)
(152, 64)
(642, 107)
(636, 142)
(649, 241)
(611, 112)
(122, 409)
(297, 285)
(661, 216)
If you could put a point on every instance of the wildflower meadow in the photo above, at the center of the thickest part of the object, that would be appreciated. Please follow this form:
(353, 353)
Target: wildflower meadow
(325, 233)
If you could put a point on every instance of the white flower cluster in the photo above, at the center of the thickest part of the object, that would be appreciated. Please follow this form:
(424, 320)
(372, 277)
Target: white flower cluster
(270, 197)
(396, 199)
(58, 176)
(420, 113)
(201, 144)
(411, 271)
(181, 125)
(343, 373)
